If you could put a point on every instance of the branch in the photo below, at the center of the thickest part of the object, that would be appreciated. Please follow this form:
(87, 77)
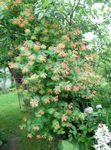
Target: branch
(72, 13)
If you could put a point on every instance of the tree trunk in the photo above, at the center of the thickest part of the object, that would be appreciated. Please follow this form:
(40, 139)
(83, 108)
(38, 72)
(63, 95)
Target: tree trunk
(17, 76)
(18, 80)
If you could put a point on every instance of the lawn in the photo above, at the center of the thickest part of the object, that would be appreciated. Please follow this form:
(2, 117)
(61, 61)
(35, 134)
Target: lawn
(10, 113)
(11, 117)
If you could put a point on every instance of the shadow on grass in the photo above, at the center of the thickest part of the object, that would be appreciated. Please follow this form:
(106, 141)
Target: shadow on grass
(11, 117)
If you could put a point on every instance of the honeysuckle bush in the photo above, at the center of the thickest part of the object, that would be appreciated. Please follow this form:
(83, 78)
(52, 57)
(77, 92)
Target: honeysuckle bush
(56, 68)
(59, 81)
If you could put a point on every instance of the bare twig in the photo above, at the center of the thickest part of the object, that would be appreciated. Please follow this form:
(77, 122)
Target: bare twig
(72, 13)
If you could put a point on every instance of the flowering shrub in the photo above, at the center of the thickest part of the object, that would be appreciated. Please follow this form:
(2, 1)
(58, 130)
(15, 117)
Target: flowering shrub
(103, 138)
(58, 75)
(60, 82)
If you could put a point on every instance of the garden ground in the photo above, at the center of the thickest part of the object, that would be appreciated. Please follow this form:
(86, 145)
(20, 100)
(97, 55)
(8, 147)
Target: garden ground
(10, 118)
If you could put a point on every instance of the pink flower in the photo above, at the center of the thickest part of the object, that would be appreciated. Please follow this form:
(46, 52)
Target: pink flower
(56, 77)
(78, 70)
(34, 103)
(36, 128)
(10, 53)
(30, 63)
(24, 81)
(77, 31)
(69, 111)
(64, 65)
(32, 57)
(50, 91)
(57, 126)
(25, 69)
(29, 136)
(42, 58)
(75, 52)
(66, 37)
(11, 65)
(47, 100)
(6, 8)
(39, 136)
(68, 87)
(63, 54)
(83, 46)
(73, 45)
(27, 31)
(64, 117)
(26, 45)
(57, 90)
(70, 106)
(76, 88)
(17, 2)
(94, 92)
(61, 46)
(55, 98)
(41, 112)
(37, 47)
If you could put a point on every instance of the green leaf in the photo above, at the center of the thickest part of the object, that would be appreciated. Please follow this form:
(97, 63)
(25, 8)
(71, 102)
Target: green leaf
(83, 146)
(66, 145)
(45, 3)
(81, 116)
(51, 110)
(1, 142)
(74, 130)
(40, 16)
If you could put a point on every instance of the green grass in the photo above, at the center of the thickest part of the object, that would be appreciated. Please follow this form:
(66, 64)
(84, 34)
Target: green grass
(10, 113)
(11, 117)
